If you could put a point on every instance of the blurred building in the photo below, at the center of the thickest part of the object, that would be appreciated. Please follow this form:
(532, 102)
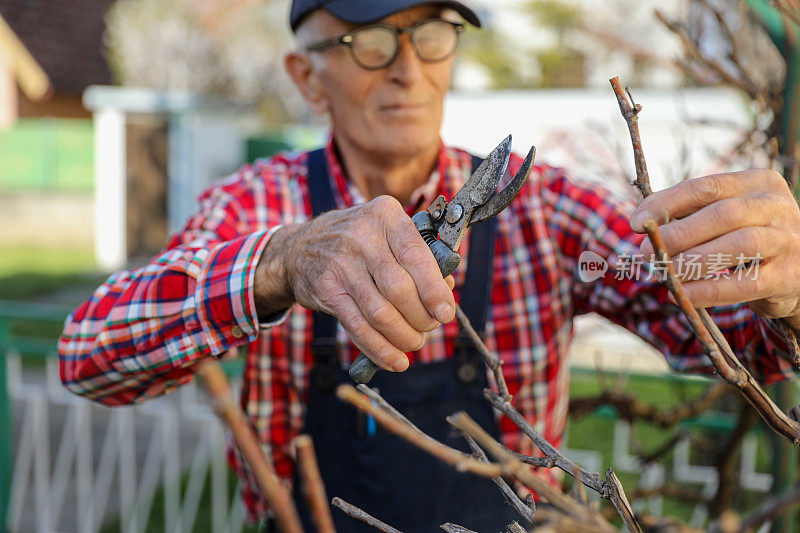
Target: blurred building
(50, 51)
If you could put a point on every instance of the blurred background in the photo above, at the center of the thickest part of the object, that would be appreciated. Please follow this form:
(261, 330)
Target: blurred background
(114, 115)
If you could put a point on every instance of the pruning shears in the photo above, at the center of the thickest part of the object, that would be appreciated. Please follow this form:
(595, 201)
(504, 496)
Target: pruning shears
(444, 223)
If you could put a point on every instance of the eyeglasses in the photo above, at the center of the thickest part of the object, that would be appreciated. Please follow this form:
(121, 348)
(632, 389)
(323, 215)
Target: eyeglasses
(375, 46)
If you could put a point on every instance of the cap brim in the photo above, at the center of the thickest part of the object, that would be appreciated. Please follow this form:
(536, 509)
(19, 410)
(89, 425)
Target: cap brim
(367, 11)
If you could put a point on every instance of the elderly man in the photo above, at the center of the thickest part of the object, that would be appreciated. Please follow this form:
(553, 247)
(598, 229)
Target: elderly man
(330, 231)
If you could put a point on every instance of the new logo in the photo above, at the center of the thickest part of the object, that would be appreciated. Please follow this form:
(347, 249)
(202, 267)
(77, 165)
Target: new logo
(591, 266)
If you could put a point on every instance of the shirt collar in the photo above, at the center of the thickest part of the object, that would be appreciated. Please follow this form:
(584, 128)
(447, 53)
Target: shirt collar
(447, 177)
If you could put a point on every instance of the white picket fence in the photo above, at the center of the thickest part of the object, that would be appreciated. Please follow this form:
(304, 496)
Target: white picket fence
(78, 464)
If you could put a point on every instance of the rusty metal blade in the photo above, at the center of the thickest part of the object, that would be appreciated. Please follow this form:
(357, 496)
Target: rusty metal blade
(499, 201)
(484, 180)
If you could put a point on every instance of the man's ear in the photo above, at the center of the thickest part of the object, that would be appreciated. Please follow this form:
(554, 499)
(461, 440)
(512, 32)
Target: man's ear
(301, 69)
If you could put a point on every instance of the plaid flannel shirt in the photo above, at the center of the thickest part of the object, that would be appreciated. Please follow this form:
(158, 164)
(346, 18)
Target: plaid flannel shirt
(141, 333)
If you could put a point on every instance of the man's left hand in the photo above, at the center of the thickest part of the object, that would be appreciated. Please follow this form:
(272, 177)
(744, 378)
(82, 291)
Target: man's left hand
(721, 219)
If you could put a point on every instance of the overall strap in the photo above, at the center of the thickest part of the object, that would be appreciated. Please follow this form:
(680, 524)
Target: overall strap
(477, 283)
(323, 345)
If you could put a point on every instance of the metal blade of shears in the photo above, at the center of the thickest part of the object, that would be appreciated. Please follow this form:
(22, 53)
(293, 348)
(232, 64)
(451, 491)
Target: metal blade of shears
(475, 192)
(499, 201)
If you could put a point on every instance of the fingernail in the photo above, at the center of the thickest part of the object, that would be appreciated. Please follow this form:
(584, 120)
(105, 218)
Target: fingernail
(401, 364)
(638, 218)
(443, 313)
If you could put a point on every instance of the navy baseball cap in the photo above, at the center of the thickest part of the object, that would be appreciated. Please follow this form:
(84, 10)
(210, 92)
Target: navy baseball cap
(366, 11)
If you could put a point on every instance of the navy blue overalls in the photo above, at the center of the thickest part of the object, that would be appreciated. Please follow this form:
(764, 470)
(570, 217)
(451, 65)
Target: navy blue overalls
(377, 471)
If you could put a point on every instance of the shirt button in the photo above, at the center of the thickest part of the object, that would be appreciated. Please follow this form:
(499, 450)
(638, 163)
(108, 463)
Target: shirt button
(237, 332)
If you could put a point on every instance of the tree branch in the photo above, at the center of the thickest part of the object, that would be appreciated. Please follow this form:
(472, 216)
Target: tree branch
(359, 514)
(280, 501)
(313, 487)
(729, 368)
(459, 460)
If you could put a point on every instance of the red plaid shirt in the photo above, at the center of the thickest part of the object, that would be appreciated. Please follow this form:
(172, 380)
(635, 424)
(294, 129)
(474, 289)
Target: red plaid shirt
(143, 330)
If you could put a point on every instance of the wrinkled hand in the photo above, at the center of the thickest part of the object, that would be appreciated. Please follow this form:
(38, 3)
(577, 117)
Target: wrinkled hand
(752, 213)
(369, 267)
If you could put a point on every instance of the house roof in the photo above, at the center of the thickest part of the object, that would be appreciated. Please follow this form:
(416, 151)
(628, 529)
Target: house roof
(65, 37)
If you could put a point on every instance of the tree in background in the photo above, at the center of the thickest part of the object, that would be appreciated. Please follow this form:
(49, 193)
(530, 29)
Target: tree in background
(228, 48)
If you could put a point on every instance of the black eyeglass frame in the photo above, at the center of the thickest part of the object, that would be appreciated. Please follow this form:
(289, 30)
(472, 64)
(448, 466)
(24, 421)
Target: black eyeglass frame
(347, 40)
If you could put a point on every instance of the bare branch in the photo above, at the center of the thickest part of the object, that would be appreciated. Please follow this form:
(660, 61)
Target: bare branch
(772, 509)
(514, 527)
(280, 501)
(630, 111)
(620, 502)
(455, 528)
(313, 487)
(592, 481)
(728, 366)
(523, 473)
(459, 460)
(355, 512)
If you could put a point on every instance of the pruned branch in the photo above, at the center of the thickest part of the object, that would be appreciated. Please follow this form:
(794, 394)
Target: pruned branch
(359, 514)
(455, 528)
(313, 487)
(457, 459)
(713, 341)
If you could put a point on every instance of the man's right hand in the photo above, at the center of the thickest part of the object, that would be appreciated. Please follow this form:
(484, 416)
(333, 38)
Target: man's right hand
(366, 265)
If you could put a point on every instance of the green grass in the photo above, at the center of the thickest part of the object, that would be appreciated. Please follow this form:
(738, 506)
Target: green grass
(53, 154)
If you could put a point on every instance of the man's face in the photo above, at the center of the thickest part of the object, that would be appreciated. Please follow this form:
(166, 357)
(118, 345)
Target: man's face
(395, 111)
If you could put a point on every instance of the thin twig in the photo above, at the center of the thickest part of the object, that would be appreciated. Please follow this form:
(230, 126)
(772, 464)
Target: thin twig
(630, 111)
(691, 49)
(609, 489)
(514, 527)
(592, 481)
(386, 406)
(313, 487)
(523, 473)
(620, 502)
(280, 501)
(458, 459)
(491, 360)
(359, 514)
(455, 528)
(582, 497)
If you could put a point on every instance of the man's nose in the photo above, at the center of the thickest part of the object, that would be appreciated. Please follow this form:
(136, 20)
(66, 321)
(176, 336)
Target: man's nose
(407, 66)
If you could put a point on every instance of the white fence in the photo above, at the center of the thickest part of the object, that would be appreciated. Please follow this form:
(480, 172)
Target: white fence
(78, 464)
